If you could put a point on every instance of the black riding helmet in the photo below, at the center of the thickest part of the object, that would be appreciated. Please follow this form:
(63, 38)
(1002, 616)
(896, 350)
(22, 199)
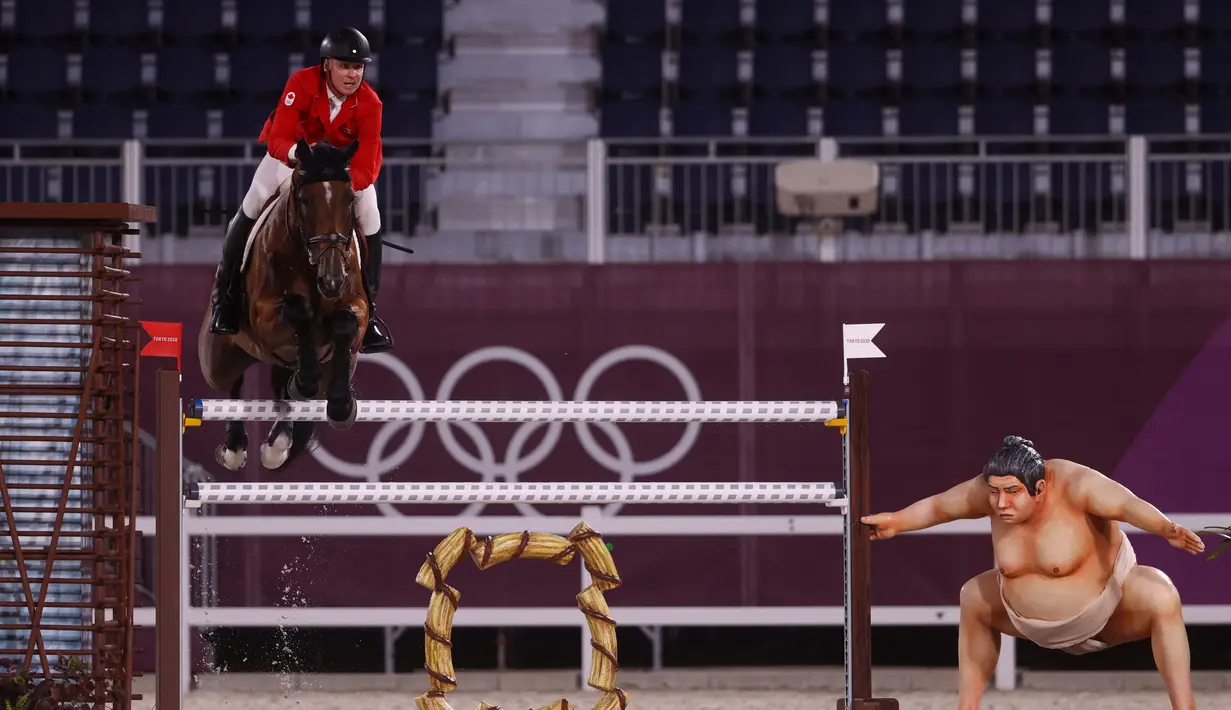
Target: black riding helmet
(347, 44)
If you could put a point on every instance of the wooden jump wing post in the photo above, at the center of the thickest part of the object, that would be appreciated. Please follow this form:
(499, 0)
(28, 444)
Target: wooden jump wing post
(824, 192)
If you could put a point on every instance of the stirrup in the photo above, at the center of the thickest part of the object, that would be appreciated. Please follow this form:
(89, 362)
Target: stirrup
(376, 338)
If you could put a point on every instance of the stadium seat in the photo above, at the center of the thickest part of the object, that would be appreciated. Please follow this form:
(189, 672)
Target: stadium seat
(857, 67)
(178, 119)
(110, 71)
(37, 71)
(1007, 191)
(785, 20)
(191, 21)
(1006, 66)
(328, 15)
(244, 119)
(630, 119)
(782, 68)
(120, 21)
(1153, 65)
(853, 118)
(1166, 184)
(709, 20)
(1086, 18)
(1073, 115)
(29, 120)
(1150, 17)
(266, 21)
(932, 17)
(1153, 115)
(407, 118)
(102, 119)
(407, 69)
(927, 117)
(778, 117)
(1001, 19)
(853, 19)
(84, 183)
(700, 195)
(630, 196)
(645, 20)
(924, 192)
(1216, 114)
(1215, 18)
(1215, 66)
(1079, 193)
(399, 193)
(931, 67)
(1080, 67)
(708, 69)
(702, 118)
(258, 70)
(186, 70)
(45, 22)
(1004, 116)
(632, 68)
(414, 21)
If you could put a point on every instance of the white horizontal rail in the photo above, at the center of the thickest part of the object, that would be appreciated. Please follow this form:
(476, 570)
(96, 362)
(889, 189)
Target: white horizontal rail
(626, 525)
(356, 617)
(564, 493)
(433, 525)
(531, 411)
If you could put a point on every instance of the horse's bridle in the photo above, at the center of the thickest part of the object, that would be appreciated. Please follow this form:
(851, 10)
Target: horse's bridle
(334, 240)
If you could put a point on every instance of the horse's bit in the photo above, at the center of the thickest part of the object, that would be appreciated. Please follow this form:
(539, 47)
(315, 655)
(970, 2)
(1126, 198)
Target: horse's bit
(337, 241)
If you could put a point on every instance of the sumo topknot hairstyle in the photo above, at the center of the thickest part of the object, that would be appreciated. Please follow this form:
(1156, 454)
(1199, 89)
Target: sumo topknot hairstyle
(1018, 458)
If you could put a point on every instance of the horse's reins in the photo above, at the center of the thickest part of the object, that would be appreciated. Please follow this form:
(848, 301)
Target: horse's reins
(331, 241)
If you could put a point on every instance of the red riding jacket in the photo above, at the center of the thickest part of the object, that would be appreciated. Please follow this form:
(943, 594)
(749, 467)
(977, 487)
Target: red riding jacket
(303, 112)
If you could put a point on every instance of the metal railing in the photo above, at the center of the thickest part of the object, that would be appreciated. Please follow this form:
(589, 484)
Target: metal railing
(693, 199)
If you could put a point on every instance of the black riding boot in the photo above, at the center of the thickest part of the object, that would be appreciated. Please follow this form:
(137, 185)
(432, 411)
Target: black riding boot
(376, 339)
(227, 284)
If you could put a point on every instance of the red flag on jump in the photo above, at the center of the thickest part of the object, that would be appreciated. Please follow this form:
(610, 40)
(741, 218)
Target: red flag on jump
(165, 340)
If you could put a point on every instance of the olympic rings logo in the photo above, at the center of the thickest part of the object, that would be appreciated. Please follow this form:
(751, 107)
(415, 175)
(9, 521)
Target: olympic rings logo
(515, 460)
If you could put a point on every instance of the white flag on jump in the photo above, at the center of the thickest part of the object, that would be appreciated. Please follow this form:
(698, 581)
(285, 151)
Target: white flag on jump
(857, 340)
(857, 343)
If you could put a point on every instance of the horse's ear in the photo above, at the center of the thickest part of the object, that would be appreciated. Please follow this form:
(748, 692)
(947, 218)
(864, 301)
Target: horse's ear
(302, 149)
(351, 150)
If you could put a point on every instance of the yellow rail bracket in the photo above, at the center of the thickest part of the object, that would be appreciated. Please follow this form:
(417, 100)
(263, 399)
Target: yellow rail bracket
(189, 421)
(840, 423)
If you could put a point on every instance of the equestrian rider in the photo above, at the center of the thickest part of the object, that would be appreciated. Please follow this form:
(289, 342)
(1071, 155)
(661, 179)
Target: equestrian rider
(328, 102)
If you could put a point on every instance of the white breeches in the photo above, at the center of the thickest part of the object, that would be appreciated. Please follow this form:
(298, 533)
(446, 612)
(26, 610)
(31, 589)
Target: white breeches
(272, 172)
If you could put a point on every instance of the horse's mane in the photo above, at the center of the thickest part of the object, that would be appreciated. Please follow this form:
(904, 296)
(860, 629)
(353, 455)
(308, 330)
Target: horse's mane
(323, 162)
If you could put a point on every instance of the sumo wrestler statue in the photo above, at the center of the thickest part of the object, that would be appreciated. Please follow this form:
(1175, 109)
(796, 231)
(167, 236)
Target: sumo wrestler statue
(1066, 575)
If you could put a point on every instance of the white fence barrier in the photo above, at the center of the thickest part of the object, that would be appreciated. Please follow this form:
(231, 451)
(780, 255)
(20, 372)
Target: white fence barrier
(609, 526)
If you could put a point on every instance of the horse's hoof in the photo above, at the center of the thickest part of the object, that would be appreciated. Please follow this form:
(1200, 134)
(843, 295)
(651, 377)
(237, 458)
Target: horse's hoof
(231, 460)
(275, 453)
(295, 393)
(342, 415)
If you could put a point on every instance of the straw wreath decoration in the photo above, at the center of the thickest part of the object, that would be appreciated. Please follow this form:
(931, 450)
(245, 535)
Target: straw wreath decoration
(491, 551)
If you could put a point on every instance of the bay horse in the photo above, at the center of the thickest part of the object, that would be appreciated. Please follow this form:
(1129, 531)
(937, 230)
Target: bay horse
(306, 306)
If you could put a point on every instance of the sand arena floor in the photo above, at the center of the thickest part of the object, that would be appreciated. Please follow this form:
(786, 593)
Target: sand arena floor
(693, 700)
(813, 690)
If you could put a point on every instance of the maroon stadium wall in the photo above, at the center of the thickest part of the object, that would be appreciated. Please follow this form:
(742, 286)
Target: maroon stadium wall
(1119, 365)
